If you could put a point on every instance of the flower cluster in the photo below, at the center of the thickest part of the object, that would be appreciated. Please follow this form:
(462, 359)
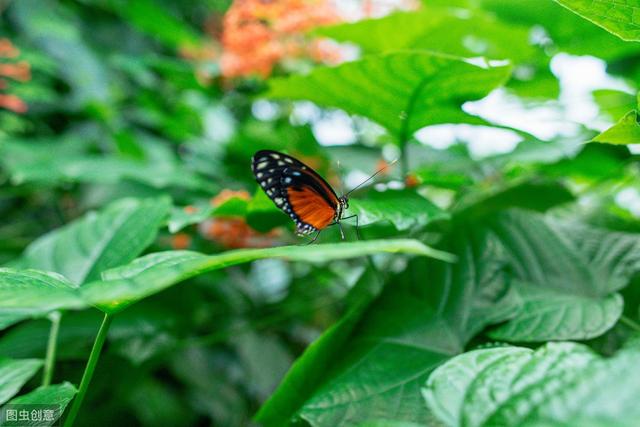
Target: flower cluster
(257, 34)
(10, 69)
(234, 232)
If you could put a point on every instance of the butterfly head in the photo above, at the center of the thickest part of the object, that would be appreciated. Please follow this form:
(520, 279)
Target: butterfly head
(343, 205)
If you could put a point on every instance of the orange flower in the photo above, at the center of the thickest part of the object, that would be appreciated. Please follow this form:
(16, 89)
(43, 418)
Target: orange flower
(7, 49)
(180, 241)
(411, 181)
(19, 71)
(234, 233)
(257, 34)
(13, 103)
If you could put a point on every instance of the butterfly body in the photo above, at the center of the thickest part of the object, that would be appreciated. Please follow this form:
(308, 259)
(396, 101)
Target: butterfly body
(298, 190)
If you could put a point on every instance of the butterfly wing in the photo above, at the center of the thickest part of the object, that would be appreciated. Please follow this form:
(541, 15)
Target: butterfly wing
(296, 189)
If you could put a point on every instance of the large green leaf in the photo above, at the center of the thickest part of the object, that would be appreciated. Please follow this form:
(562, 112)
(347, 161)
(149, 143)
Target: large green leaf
(156, 272)
(618, 17)
(439, 29)
(56, 397)
(558, 384)
(403, 208)
(445, 390)
(13, 375)
(423, 317)
(98, 241)
(411, 89)
(310, 369)
(31, 293)
(569, 32)
(626, 131)
(567, 275)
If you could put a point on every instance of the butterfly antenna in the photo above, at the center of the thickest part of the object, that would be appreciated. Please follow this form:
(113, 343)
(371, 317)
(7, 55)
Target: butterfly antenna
(382, 169)
(340, 177)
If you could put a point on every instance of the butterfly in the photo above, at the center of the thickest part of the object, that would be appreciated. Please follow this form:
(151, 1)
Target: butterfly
(301, 192)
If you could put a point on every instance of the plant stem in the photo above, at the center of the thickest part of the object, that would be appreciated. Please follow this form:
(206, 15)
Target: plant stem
(88, 370)
(50, 358)
(630, 323)
(404, 160)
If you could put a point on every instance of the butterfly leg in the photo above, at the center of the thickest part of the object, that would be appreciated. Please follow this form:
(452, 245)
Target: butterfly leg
(357, 228)
(314, 237)
(341, 232)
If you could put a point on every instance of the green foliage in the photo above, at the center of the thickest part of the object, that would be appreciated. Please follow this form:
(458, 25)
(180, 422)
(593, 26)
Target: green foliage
(509, 215)
(84, 248)
(155, 272)
(618, 18)
(14, 373)
(412, 89)
(404, 209)
(55, 395)
(512, 385)
(32, 293)
(626, 131)
(567, 289)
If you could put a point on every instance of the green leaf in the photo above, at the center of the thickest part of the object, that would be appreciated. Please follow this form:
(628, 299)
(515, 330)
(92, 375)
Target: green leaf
(626, 131)
(555, 315)
(31, 293)
(58, 395)
(617, 17)
(405, 209)
(439, 29)
(114, 295)
(412, 89)
(84, 248)
(389, 356)
(538, 195)
(615, 103)
(14, 374)
(151, 261)
(568, 32)
(425, 315)
(555, 385)
(566, 281)
(309, 370)
(447, 385)
(152, 18)
(485, 382)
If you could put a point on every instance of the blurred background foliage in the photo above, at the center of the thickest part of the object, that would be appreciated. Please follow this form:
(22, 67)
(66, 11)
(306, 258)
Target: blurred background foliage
(157, 100)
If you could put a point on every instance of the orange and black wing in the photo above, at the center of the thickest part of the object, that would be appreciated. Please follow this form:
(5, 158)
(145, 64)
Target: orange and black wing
(296, 189)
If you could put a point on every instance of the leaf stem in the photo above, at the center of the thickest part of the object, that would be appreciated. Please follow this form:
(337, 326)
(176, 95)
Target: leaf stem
(630, 323)
(50, 358)
(89, 369)
(404, 134)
